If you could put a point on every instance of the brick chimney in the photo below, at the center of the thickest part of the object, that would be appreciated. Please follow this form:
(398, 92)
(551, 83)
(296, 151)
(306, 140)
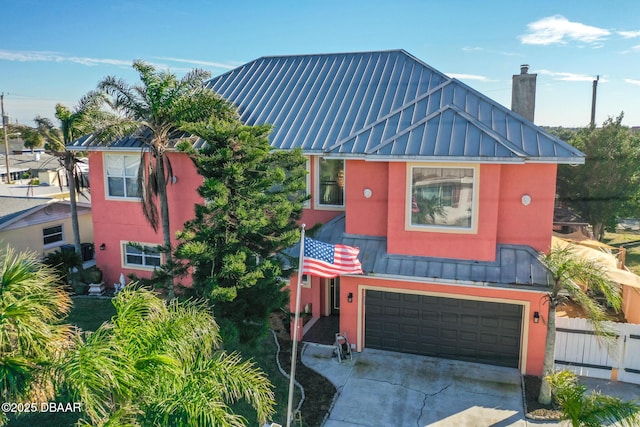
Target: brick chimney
(523, 93)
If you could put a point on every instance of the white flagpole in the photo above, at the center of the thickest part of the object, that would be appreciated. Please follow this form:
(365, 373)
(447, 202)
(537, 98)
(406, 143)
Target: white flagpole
(294, 346)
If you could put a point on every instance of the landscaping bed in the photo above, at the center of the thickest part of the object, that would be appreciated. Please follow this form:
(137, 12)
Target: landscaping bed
(319, 391)
(533, 409)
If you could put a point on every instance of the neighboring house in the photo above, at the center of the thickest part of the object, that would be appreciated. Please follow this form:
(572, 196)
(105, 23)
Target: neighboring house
(448, 195)
(25, 165)
(40, 224)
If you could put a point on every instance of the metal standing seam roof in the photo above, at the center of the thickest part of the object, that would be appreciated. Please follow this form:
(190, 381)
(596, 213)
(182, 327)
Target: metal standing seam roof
(385, 105)
(515, 265)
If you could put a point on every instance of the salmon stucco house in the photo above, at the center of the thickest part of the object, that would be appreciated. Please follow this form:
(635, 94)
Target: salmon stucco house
(448, 195)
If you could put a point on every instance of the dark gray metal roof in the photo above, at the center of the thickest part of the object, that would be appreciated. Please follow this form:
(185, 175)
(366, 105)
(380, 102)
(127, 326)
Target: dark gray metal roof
(514, 264)
(376, 105)
(11, 207)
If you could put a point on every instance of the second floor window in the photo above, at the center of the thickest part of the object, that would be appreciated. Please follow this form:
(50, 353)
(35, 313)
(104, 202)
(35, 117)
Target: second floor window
(442, 197)
(121, 172)
(330, 182)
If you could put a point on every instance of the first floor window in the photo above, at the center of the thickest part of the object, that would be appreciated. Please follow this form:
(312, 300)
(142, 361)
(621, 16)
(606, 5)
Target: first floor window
(122, 175)
(51, 235)
(442, 196)
(136, 255)
(330, 182)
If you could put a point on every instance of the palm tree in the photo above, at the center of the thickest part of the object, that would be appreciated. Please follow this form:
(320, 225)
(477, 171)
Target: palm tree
(31, 336)
(158, 363)
(158, 110)
(593, 410)
(85, 118)
(576, 279)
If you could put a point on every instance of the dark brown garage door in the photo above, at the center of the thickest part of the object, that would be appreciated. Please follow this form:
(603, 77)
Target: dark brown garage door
(477, 331)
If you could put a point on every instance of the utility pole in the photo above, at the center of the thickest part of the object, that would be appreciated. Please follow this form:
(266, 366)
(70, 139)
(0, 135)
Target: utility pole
(593, 101)
(5, 131)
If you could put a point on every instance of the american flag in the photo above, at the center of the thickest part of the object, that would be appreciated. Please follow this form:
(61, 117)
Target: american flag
(325, 260)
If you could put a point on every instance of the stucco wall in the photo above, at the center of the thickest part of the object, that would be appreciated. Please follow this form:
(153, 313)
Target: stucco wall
(527, 225)
(312, 214)
(532, 352)
(30, 238)
(122, 220)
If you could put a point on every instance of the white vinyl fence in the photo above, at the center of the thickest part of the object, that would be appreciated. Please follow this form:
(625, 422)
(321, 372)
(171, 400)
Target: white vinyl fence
(578, 349)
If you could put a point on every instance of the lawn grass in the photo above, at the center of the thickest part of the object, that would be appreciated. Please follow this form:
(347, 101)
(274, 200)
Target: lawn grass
(632, 258)
(263, 354)
(89, 313)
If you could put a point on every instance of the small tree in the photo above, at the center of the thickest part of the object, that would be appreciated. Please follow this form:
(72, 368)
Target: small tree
(253, 197)
(85, 118)
(590, 410)
(32, 337)
(158, 363)
(579, 280)
(606, 186)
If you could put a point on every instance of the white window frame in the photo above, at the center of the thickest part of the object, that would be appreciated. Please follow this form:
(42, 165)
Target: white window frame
(306, 281)
(475, 202)
(126, 264)
(57, 242)
(307, 203)
(124, 177)
(318, 196)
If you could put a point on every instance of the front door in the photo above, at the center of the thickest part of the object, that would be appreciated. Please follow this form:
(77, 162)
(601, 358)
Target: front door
(334, 291)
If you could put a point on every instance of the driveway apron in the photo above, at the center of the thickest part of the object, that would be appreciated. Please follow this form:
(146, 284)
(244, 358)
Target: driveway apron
(396, 389)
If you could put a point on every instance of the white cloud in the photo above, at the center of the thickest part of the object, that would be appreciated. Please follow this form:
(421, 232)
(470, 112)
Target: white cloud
(44, 56)
(569, 77)
(632, 82)
(198, 62)
(629, 34)
(469, 77)
(37, 56)
(472, 49)
(559, 30)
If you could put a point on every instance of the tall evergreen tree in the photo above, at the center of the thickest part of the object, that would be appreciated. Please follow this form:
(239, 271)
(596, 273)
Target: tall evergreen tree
(606, 186)
(158, 109)
(253, 197)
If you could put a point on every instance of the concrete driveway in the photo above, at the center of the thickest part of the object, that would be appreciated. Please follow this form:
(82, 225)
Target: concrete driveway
(381, 388)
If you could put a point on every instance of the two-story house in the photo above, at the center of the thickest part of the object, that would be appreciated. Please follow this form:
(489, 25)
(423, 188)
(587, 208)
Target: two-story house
(448, 195)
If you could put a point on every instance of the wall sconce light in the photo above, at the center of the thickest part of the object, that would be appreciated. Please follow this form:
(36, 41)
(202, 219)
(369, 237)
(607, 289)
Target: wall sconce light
(367, 193)
(536, 317)
(350, 297)
(103, 247)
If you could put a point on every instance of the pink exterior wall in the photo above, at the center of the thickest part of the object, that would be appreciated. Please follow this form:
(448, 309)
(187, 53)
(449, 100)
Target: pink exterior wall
(502, 218)
(367, 216)
(527, 225)
(533, 335)
(313, 295)
(312, 215)
(631, 304)
(480, 246)
(115, 221)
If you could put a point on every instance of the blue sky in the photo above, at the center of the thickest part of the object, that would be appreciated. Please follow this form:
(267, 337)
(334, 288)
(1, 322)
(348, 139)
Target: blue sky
(56, 51)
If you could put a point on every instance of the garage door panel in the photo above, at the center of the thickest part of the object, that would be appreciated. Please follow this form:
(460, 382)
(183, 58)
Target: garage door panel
(481, 331)
(468, 320)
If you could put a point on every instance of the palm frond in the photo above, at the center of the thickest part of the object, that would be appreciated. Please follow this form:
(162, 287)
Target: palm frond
(31, 333)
